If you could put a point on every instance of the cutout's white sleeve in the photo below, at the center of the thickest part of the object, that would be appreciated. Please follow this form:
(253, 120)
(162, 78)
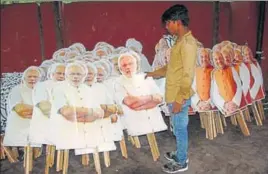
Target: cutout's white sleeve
(153, 86)
(120, 93)
(14, 98)
(257, 82)
(58, 98)
(238, 95)
(245, 78)
(195, 98)
(40, 93)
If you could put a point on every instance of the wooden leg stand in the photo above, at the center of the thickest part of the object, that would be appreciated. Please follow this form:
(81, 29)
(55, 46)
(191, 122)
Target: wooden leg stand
(107, 160)
(52, 154)
(218, 121)
(85, 159)
(65, 161)
(260, 109)
(242, 123)
(202, 115)
(123, 148)
(59, 165)
(223, 119)
(37, 152)
(256, 114)
(97, 162)
(2, 151)
(153, 146)
(9, 154)
(247, 115)
(137, 142)
(47, 159)
(233, 120)
(131, 139)
(210, 126)
(28, 159)
(213, 124)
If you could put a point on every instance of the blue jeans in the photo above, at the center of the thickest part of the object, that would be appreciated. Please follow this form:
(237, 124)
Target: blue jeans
(180, 125)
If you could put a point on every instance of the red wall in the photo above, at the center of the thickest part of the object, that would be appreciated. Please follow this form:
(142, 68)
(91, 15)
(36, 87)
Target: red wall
(115, 22)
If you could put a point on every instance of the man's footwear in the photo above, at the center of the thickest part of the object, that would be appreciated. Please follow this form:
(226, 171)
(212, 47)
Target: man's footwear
(171, 156)
(174, 167)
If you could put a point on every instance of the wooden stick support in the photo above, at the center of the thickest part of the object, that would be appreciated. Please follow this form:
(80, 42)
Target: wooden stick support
(213, 124)
(152, 146)
(9, 155)
(242, 123)
(47, 159)
(27, 160)
(210, 126)
(2, 151)
(107, 160)
(31, 158)
(37, 152)
(15, 152)
(233, 120)
(223, 119)
(219, 122)
(123, 148)
(65, 161)
(52, 153)
(260, 109)
(97, 162)
(131, 139)
(156, 146)
(25, 157)
(247, 115)
(137, 142)
(202, 115)
(256, 115)
(59, 164)
(85, 159)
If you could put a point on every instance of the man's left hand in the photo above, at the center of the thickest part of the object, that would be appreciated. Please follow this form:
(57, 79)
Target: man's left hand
(177, 107)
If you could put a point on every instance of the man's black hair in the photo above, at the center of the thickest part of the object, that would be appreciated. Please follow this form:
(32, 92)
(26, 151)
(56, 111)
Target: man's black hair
(176, 12)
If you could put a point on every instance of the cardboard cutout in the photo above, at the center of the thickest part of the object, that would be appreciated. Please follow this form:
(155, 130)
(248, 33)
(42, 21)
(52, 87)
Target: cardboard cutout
(21, 109)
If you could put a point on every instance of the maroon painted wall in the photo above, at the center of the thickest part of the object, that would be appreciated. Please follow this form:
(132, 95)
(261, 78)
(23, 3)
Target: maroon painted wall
(115, 22)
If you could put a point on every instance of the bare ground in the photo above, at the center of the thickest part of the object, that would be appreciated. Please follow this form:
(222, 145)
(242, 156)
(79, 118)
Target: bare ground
(231, 153)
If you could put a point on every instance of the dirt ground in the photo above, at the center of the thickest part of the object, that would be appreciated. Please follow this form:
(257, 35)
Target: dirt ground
(231, 153)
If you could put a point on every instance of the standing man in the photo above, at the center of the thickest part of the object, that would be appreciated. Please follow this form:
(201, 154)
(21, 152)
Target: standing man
(179, 74)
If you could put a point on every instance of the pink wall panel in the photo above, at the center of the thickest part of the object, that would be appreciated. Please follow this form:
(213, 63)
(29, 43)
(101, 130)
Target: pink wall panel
(115, 22)
(20, 45)
(48, 29)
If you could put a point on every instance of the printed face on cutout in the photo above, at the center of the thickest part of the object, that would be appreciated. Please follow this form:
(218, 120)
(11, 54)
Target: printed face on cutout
(59, 74)
(128, 66)
(31, 77)
(75, 75)
(90, 76)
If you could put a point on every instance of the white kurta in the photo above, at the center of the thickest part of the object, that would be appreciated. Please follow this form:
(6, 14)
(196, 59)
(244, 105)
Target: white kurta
(145, 65)
(75, 135)
(120, 124)
(107, 129)
(17, 129)
(218, 100)
(145, 121)
(40, 123)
